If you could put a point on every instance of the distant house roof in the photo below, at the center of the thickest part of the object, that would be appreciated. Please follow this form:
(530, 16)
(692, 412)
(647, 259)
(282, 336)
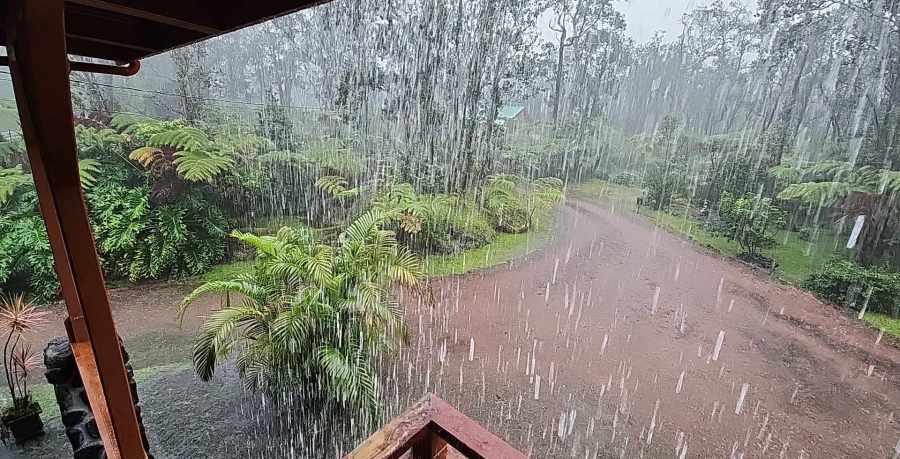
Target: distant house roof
(509, 112)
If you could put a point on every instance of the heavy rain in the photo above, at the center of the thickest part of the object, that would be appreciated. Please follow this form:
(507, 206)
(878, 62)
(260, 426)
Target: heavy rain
(599, 229)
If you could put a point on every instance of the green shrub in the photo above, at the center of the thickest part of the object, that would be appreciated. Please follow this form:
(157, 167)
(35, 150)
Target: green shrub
(26, 262)
(139, 242)
(465, 227)
(515, 204)
(626, 179)
(751, 221)
(806, 234)
(663, 182)
(846, 283)
(434, 223)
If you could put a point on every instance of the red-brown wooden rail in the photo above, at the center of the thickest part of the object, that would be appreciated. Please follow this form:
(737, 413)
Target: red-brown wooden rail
(426, 431)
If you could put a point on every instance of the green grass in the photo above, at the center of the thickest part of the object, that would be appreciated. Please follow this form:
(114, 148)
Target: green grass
(599, 190)
(504, 248)
(883, 322)
(43, 393)
(9, 118)
(796, 258)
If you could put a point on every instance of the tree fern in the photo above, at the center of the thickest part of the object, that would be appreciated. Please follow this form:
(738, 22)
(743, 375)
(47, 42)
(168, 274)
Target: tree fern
(816, 193)
(786, 173)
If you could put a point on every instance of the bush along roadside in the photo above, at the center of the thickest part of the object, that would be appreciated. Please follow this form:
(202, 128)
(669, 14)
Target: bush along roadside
(856, 287)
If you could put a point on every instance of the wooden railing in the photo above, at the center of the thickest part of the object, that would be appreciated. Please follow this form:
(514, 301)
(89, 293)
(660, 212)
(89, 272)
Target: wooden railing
(433, 429)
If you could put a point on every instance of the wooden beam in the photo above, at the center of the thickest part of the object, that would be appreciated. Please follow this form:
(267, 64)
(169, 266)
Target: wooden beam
(40, 74)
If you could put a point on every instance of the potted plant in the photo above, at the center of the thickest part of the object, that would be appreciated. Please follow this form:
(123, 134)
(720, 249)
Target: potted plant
(22, 418)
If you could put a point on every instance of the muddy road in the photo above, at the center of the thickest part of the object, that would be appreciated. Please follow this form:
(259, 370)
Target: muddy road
(621, 340)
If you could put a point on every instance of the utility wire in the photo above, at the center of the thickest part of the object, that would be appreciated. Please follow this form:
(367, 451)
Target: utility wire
(162, 93)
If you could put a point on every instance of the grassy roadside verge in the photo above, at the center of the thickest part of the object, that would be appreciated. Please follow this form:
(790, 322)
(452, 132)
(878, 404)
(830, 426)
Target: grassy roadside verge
(796, 258)
(43, 393)
(504, 248)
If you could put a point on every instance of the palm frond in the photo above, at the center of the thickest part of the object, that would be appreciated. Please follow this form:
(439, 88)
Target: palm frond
(218, 335)
(349, 375)
(889, 181)
(244, 285)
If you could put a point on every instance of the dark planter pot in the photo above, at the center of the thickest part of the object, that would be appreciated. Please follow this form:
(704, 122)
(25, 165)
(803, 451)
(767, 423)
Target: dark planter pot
(26, 427)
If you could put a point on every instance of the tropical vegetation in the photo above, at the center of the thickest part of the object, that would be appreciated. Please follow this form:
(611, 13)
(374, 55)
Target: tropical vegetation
(311, 314)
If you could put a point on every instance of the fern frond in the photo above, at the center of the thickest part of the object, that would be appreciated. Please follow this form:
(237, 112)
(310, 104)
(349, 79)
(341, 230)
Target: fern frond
(336, 186)
(146, 156)
(87, 171)
(201, 166)
(10, 180)
(816, 193)
(125, 121)
(183, 138)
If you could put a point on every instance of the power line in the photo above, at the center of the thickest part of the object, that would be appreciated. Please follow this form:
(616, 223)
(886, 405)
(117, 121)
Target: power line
(162, 93)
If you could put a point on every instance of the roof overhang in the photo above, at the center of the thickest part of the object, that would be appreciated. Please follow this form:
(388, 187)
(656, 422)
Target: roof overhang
(131, 30)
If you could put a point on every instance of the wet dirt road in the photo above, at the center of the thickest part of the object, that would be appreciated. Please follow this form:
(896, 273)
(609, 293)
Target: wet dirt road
(621, 340)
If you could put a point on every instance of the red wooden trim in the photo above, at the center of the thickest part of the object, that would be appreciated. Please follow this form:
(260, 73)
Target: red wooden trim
(427, 428)
(467, 436)
(397, 436)
(40, 74)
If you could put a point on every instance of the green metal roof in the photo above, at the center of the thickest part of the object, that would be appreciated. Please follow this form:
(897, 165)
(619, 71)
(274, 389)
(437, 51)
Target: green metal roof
(510, 111)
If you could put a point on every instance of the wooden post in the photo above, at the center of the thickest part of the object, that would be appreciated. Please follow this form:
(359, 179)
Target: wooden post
(40, 73)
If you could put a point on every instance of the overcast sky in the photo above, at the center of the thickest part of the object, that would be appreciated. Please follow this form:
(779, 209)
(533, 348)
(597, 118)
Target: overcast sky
(645, 17)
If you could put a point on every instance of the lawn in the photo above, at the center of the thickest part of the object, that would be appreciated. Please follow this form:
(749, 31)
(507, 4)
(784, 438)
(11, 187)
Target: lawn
(45, 397)
(227, 271)
(883, 322)
(9, 118)
(504, 248)
(796, 258)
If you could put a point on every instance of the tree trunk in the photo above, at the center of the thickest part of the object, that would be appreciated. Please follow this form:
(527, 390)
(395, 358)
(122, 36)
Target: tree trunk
(557, 95)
